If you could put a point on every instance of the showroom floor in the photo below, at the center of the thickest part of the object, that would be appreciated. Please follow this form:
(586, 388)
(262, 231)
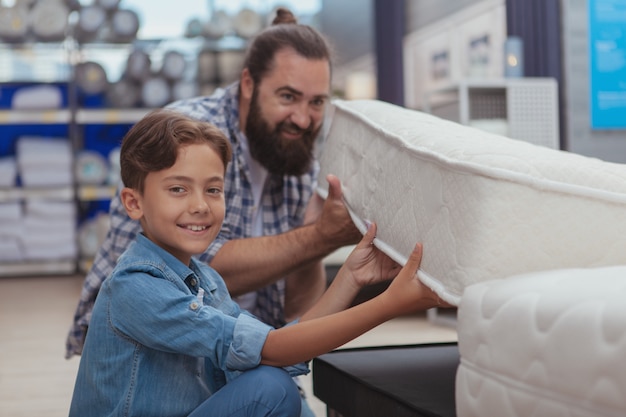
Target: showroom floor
(35, 315)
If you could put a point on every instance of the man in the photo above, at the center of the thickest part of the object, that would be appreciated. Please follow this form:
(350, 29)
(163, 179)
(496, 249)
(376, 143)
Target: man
(276, 231)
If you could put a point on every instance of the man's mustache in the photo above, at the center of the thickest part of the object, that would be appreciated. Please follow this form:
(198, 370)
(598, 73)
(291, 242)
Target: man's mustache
(293, 128)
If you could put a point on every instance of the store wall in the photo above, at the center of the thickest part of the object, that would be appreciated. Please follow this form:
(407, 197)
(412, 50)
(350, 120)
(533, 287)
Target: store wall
(467, 43)
(421, 13)
(609, 145)
(349, 24)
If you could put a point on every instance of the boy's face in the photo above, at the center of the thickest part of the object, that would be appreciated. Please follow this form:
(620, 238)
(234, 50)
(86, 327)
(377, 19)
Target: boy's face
(182, 207)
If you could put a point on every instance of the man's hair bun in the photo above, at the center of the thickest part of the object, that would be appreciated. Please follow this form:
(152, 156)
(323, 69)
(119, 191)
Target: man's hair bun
(284, 15)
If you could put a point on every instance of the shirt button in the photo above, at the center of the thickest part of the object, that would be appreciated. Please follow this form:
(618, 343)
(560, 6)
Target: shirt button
(194, 305)
(193, 282)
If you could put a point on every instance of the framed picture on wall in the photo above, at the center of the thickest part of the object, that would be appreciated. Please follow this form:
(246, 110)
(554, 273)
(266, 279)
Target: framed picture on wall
(440, 65)
(479, 55)
(481, 44)
(430, 61)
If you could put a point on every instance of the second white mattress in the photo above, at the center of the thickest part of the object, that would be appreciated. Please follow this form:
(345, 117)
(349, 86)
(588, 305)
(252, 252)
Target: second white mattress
(547, 344)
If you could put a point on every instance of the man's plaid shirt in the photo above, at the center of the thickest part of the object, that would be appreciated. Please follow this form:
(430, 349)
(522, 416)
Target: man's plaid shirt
(283, 204)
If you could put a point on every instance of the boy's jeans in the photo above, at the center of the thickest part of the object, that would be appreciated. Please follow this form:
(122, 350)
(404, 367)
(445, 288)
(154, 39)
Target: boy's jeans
(262, 391)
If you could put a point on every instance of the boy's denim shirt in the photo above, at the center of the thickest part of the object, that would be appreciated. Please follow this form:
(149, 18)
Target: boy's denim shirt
(163, 337)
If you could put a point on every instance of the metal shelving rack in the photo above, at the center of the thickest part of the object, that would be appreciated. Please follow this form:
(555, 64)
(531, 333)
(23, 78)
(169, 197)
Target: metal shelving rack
(59, 59)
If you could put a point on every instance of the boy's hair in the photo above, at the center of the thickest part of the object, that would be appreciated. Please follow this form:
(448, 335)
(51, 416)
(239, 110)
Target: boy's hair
(152, 144)
(285, 32)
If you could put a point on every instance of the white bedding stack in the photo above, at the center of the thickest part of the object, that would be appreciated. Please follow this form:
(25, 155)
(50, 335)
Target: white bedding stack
(44, 162)
(49, 230)
(8, 171)
(48, 225)
(10, 231)
(529, 241)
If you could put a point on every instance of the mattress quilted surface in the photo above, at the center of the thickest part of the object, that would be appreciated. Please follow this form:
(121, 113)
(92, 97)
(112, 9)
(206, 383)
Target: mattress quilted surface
(485, 206)
(544, 344)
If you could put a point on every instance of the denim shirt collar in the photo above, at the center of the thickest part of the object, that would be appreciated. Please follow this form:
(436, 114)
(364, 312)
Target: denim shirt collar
(156, 254)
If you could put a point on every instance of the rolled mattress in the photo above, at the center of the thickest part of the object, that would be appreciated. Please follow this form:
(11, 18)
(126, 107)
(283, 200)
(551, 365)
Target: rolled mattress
(485, 206)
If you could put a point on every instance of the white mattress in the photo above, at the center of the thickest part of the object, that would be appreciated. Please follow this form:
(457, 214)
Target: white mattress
(485, 206)
(544, 344)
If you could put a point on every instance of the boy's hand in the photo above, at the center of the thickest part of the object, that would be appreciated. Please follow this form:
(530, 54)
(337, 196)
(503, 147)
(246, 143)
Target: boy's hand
(367, 264)
(407, 294)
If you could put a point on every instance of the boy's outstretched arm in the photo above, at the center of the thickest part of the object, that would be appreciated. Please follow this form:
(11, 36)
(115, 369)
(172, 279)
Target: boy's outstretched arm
(365, 265)
(308, 339)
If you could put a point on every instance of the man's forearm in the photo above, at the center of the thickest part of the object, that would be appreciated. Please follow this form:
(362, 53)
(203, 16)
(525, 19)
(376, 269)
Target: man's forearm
(303, 287)
(252, 263)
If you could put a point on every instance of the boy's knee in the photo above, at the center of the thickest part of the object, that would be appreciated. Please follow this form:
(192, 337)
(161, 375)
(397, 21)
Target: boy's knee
(278, 392)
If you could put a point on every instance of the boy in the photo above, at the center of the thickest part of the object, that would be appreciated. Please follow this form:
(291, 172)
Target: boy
(166, 338)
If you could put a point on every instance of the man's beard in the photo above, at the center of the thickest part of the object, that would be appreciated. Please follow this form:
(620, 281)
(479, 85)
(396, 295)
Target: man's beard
(279, 155)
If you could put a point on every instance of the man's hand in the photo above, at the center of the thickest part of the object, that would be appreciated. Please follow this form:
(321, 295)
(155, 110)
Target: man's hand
(333, 222)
